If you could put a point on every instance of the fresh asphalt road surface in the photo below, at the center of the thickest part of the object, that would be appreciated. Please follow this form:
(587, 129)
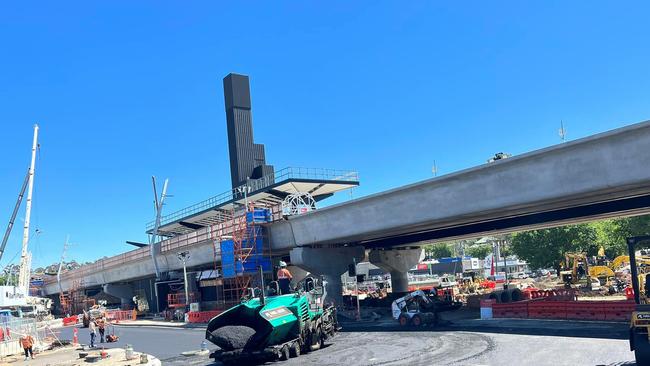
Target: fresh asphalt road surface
(400, 348)
(163, 343)
(466, 348)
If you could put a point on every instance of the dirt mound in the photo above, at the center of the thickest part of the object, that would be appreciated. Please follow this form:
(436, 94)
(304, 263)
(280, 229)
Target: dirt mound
(232, 337)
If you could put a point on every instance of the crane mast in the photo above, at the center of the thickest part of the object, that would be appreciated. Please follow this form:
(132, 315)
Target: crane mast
(13, 216)
(25, 255)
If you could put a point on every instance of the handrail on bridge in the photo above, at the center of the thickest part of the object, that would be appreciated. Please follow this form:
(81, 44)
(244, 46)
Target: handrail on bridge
(254, 185)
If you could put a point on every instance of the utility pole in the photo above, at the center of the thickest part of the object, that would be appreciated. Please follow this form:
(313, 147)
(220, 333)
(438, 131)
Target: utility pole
(356, 288)
(505, 264)
(183, 257)
(58, 273)
(25, 256)
(158, 205)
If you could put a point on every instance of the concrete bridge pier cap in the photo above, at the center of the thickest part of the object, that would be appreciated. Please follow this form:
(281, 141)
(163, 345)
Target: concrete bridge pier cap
(397, 261)
(330, 262)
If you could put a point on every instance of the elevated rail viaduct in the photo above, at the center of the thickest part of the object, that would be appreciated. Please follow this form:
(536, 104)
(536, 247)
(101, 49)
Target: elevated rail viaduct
(600, 176)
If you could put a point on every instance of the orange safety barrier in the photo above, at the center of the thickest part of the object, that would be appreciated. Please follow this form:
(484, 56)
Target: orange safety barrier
(202, 316)
(510, 310)
(558, 294)
(550, 309)
(587, 310)
(547, 309)
(119, 315)
(619, 310)
(70, 320)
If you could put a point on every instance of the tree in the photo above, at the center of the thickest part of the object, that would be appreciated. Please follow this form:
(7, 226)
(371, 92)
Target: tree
(612, 233)
(479, 251)
(545, 248)
(438, 250)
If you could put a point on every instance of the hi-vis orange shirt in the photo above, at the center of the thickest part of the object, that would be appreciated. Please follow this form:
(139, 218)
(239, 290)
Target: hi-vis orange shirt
(284, 273)
(27, 341)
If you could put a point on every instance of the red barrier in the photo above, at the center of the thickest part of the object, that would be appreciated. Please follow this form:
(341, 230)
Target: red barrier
(510, 310)
(586, 310)
(547, 309)
(619, 310)
(551, 309)
(70, 320)
(202, 316)
(119, 315)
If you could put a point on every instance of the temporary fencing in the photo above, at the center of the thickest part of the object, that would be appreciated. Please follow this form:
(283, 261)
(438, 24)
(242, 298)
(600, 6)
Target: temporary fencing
(11, 329)
(202, 316)
(120, 315)
(579, 310)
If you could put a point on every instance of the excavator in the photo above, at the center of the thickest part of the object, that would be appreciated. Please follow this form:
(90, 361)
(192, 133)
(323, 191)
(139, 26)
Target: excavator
(572, 264)
(607, 273)
(603, 273)
(622, 260)
(640, 321)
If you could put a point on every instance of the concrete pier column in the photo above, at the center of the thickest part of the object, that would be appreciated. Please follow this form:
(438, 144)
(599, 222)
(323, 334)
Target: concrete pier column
(298, 274)
(122, 291)
(397, 261)
(328, 262)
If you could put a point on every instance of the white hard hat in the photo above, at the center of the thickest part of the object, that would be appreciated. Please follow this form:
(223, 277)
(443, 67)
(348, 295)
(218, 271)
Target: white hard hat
(283, 264)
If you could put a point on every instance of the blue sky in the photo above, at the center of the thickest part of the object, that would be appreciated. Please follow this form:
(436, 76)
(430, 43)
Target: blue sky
(126, 90)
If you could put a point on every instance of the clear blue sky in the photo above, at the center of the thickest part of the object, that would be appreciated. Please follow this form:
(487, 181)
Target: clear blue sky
(124, 90)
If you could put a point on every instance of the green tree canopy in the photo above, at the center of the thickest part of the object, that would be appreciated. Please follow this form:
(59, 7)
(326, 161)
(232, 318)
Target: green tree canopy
(438, 250)
(479, 251)
(545, 248)
(612, 233)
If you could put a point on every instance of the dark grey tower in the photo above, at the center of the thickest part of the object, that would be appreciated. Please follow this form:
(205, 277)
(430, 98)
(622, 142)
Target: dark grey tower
(247, 160)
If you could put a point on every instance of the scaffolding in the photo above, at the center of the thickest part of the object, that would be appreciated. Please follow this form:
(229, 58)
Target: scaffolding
(75, 301)
(242, 253)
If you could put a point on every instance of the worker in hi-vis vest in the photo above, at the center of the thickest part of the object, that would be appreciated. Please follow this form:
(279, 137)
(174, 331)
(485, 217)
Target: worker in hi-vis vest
(284, 278)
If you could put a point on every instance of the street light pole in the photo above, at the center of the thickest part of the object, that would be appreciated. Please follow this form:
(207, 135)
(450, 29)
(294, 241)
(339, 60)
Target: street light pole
(183, 257)
(505, 264)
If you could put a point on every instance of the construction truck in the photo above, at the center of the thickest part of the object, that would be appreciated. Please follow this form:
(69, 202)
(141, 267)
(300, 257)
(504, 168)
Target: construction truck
(419, 308)
(268, 328)
(640, 322)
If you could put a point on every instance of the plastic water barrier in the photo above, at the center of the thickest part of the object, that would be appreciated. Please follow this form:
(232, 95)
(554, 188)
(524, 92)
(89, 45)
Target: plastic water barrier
(580, 310)
(202, 316)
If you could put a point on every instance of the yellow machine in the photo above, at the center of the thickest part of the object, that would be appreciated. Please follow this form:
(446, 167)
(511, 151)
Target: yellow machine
(600, 272)
(623, 260)
(572, 262)
(640, 323)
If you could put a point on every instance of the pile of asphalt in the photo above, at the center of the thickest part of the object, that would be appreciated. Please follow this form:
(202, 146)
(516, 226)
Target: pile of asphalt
(232, 337)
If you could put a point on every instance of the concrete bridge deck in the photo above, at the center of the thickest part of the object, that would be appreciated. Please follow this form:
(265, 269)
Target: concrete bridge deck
(598, 176)
(594, 177)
